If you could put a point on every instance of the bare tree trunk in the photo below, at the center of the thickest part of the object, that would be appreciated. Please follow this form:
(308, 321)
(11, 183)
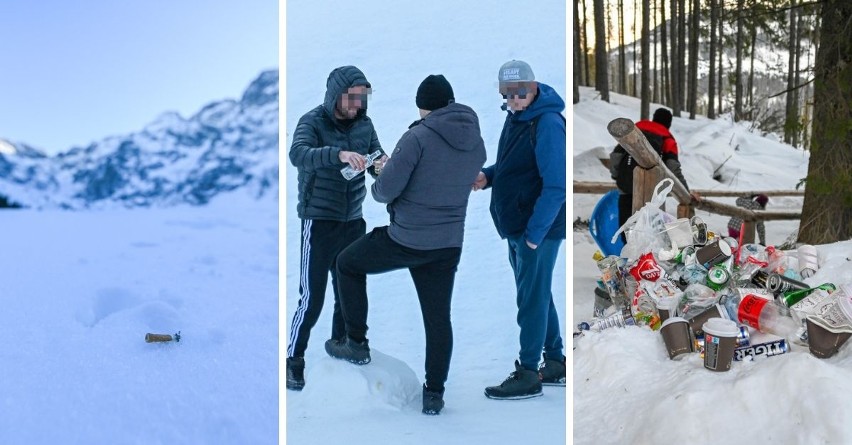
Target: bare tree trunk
(711, 87)
(673, 80)
(750, 96)
(601, 75)
(721, 53)
(588, 80)
(614, 71)
(796, 106)
(655, 96)
(635, 38)
(695, 18)
(664, 50)
(808, 113)
(827, 209)
(577, 54)
(681, 53)
(790, 118)
(738, 75)
(622, 56)
(646, 37)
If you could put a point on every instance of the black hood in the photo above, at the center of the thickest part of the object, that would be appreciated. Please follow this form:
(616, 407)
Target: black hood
(340, 80)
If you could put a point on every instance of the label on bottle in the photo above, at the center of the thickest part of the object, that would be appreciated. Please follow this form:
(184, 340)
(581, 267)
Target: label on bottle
(749, 311)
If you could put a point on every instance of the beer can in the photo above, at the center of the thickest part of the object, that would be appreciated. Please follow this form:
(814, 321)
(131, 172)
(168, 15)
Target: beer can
(779, 283)
(717, 277)
(743, 337)
(768, 349)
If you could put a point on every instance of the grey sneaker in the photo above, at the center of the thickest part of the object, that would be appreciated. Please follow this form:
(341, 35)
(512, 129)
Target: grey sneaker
(295, 373)
(552, 372)
(521, 384)
(433, 401)
(349, 350)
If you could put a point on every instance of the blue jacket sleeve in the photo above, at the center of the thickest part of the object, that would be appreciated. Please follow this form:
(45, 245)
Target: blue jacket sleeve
(550, 158)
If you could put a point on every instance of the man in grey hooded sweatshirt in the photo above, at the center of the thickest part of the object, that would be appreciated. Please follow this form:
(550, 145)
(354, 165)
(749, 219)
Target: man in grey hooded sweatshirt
(426, 184)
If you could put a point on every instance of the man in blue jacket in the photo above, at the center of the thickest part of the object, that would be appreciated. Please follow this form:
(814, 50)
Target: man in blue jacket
(426, 185)
(528, 207)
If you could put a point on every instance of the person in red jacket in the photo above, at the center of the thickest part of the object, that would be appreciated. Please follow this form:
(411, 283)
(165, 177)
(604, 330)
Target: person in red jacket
(621, 164)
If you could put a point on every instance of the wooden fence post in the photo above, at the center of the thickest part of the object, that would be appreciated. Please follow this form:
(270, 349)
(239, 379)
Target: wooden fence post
(644, 182)
(748, 232)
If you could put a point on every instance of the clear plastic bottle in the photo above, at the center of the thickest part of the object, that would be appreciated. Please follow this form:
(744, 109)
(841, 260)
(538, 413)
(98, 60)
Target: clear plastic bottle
(777, 260)
(348, 172)
(765, 315)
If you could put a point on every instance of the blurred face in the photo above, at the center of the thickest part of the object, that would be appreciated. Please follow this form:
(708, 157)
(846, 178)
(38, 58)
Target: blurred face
(518, 95)
(354, 99)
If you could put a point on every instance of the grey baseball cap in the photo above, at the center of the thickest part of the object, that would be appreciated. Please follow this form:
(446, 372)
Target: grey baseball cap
(515, 71)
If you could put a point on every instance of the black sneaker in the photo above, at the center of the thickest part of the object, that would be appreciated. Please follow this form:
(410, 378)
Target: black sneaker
(552, 372)
(349, 350)
(521, 384)
(295, 373)
(433, 401)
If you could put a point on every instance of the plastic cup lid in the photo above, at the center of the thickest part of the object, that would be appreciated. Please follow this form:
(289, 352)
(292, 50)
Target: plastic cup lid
(672, 320)
(721, 327)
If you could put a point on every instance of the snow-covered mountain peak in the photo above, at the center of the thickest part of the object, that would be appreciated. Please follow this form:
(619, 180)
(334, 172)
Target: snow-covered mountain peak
(227, 145)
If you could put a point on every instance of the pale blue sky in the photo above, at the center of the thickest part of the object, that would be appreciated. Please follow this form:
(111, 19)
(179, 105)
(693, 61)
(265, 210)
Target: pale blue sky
(74, 72)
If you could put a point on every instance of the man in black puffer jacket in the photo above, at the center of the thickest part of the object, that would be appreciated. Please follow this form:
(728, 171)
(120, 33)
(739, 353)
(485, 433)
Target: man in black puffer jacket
(426, 184)
(328, 138)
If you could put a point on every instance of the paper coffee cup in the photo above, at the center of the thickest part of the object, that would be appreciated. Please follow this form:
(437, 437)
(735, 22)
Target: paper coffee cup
(667, 307)
(713, 253)
(678, 337)
(720, 340)
(821, 342)
(715, 311)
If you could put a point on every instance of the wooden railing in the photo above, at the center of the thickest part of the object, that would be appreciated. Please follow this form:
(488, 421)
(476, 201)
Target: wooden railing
(651, 170)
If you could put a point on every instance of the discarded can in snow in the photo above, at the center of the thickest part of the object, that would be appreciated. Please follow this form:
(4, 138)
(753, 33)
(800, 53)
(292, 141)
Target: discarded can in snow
(780, 283)
(768, 349)
(717, 277)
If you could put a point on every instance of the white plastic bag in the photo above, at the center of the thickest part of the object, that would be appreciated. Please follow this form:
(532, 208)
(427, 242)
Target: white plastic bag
(646, 227)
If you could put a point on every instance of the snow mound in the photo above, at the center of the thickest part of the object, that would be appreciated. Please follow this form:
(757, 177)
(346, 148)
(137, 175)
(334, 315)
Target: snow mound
(385, 382)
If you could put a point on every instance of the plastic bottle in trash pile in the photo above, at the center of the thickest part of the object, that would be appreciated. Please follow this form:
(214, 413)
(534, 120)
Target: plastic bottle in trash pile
(618, 320)
(765, 315)
(782, 264)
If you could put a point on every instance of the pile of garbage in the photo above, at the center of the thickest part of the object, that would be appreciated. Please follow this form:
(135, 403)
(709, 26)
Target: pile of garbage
(714, 295)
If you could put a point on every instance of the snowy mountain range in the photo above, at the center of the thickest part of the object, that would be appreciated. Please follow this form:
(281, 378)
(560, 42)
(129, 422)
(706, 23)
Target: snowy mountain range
(227, 145)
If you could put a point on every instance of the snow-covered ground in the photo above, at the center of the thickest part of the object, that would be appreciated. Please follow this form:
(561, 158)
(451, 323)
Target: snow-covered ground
(397, 47)
(625, 388)
(80, 290)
